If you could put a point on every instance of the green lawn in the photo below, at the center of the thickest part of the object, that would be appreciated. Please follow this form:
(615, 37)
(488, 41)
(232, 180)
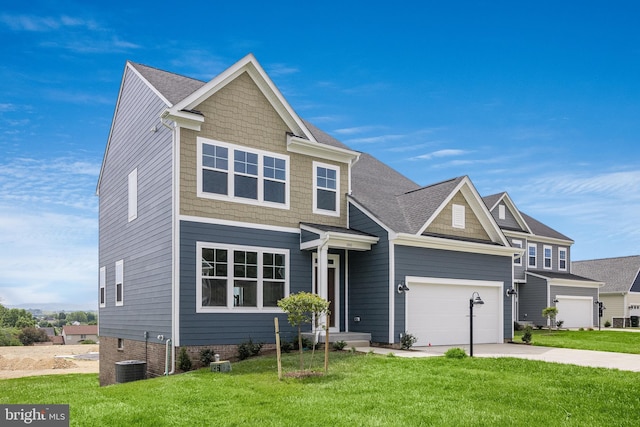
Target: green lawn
(360, 390)
(615, 341)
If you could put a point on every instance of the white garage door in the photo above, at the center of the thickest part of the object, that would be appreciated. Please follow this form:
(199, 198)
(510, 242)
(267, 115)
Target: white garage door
(438, 311)
(575, 312)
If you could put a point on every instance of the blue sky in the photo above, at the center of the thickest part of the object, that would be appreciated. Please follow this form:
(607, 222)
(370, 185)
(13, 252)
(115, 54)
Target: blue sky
(539, 99)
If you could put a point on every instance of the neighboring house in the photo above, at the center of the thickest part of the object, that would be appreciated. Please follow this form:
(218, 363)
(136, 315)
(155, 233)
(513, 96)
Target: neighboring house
(76, 334)
(57, 340)
(217, 200)
(621, 293)
(543, 276)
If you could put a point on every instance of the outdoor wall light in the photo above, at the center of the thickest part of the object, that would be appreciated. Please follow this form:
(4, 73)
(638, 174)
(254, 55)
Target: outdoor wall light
(511, 292)
(402, 287)
(474, 300)
(555, 300)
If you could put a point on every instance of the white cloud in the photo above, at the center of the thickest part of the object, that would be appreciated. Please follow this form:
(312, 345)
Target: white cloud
(440, 153)
(356, 130)
(281, 70)
(35, 23)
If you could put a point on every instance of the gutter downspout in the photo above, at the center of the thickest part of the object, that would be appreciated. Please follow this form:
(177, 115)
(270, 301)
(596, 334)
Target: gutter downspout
(169, 350)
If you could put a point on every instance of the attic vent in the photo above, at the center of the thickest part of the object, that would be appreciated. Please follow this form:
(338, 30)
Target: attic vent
(501, 212)
(458, 216)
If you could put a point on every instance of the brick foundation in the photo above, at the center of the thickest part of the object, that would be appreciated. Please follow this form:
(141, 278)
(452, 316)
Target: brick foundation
(154, 355)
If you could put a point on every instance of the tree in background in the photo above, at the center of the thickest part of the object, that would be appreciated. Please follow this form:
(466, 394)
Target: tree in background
(28, 336)
(77, 316)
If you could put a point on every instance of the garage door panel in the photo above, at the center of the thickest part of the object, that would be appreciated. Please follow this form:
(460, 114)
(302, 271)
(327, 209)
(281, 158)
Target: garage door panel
(575, 312)
(438, 314)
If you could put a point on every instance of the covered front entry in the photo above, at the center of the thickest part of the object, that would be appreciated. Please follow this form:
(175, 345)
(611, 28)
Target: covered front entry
(333, 288)
(437, 311)
(575, 311)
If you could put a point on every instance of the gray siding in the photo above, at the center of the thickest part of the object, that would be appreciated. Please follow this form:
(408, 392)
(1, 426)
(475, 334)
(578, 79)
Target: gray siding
(234, 328)
(580, 292)
(308, 236)
(422, 262)
(519, 270)
(369, 281)
(509, 221)
(636, 284)
(532, 299)
(145, 243)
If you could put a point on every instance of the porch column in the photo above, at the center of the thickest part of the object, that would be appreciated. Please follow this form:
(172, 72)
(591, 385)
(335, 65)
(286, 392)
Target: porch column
(322, 280)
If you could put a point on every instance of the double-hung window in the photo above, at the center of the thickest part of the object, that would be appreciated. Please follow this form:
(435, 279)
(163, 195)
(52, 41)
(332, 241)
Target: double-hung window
(240, 174)
(326, 186)
(548, 257)
(241, 278)
(533, 255)
(517, 244)
(119, 282)
(562, 259)
(103, 286)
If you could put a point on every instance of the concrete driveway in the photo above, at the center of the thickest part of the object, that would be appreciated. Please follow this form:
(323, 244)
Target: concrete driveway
(596, 359)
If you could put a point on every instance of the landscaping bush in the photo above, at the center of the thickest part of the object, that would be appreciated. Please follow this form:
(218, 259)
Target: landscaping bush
(28, 336)
(207, 356)
(248, 349)
(559, 323)
(455, 353)
(184, 362)
(526, 336)
(286, 346)
(407, 341)
(339, 345)
(607, 324)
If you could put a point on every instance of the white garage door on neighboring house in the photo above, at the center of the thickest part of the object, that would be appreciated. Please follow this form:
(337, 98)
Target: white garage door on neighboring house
(437, 311)
(574, 311)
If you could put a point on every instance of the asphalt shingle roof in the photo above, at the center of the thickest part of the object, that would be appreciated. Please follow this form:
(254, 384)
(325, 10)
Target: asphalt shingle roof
(617, 273)
(172, 86)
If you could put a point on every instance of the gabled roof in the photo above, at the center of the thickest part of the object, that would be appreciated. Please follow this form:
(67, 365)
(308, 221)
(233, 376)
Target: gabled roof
(540, 229)
(493, 201)
(80, 330)
(170, 86)
(619, 274)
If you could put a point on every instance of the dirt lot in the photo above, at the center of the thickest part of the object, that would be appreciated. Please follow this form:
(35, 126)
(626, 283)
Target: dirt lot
(28, 361)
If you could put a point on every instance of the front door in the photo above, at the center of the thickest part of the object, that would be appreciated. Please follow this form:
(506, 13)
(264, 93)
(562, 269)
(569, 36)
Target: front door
(333, 291)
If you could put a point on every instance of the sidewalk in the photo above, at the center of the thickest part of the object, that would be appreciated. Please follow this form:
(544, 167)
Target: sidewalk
(596, 359)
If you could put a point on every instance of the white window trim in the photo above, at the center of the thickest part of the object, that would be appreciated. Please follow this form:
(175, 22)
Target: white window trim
(102, 296)
(545, 258)
(514, 243)
(566, 261)
(133, 194)
(535, 258)
(317, 210)
(229, 197)
(458, 216)
(119, 275)
(502, 212)
(230, 308)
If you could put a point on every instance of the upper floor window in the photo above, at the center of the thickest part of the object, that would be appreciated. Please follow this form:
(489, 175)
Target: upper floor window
(103, 283)
(239, 174)
(120, 282)
(548, 257)
(326, 185)
(533, 255)
(133, 195)
(562, 259)
(241, 277)
(517, 244)
(458, 216)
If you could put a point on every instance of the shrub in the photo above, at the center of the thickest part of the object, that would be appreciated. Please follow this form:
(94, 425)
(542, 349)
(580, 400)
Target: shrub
(559, 323)
(207, 356)
(455, 353)
(87, 342)
(607, 324)
(526, 336)
(31, 335)
(184, 362)
(248, 349)
(539, 327)
(407, 341)
(286, 346)
(339, 345)
(9, 337)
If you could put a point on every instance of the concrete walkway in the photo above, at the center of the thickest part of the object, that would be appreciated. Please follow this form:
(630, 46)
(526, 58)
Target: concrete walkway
(596, 359)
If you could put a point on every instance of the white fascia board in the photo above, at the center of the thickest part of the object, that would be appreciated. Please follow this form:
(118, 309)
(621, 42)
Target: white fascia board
(534, 238)
(431, 242)
(338, 240)
(218, 221)
(250, 65)
(466, 187)
(296, 144)
(184, 119)
(575, 283)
